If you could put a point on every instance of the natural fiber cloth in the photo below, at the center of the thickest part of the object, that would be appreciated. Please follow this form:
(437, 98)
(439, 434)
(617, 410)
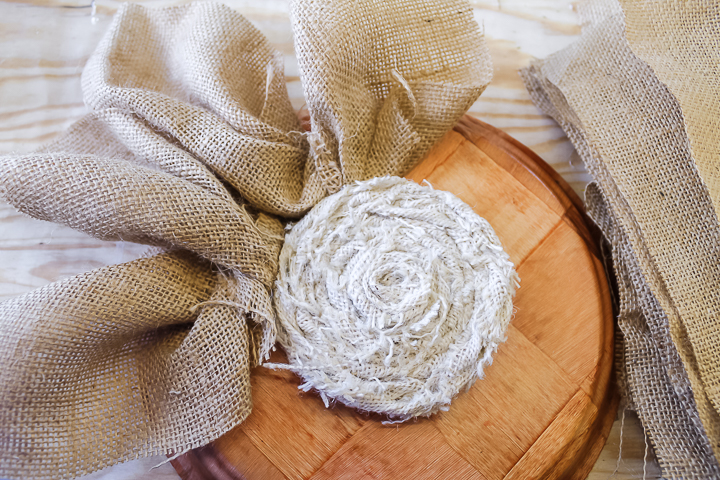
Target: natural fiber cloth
(192, 145)
(392, 297)
(650, 153)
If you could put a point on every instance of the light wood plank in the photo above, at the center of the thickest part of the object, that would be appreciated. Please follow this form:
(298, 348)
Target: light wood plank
(293, 429)
(379, 451)
(569, 298)
(494, 423)
(516, 215)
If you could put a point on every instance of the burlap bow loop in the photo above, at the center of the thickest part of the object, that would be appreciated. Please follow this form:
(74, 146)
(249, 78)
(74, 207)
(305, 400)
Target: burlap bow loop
(192, 144)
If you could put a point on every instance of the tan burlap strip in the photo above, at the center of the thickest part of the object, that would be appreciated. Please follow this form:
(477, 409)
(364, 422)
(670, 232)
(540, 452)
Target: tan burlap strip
(672, 422)
(192, 145)
(658, 388)
(628, 127)
(680, 40)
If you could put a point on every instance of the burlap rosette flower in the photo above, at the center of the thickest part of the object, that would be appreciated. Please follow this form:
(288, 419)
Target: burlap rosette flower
(191, 144)
(392, 297)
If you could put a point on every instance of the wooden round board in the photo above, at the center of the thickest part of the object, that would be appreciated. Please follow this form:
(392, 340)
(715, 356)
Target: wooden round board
(545, 406)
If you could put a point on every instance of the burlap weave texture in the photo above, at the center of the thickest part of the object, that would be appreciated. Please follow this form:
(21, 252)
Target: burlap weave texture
(192, 145)
(641, 142)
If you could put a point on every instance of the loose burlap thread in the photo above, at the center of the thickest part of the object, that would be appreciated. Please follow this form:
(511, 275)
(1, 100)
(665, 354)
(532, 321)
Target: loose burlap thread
(392, 297)
(651, 143)
(192, 145)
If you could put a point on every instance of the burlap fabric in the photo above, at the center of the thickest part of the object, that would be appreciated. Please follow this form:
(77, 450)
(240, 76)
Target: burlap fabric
(192, 145)
(392, 297)
(650, 152)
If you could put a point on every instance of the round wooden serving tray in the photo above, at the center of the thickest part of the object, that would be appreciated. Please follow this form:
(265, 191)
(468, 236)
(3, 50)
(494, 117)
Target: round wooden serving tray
(545, 406)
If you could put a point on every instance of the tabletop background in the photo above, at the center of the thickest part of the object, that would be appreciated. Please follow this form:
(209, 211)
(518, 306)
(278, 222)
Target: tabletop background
(44, 45)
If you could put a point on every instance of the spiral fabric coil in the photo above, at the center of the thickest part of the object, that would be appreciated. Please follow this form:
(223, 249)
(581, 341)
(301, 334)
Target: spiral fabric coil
(392, 297)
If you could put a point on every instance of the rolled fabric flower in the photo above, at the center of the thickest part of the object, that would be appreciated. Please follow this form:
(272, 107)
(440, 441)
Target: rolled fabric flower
(392, 297)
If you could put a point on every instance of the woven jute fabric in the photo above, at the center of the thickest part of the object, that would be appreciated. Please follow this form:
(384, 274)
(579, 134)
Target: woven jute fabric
(641, 143)
(679, 41)
(192, 145)
(392, 297)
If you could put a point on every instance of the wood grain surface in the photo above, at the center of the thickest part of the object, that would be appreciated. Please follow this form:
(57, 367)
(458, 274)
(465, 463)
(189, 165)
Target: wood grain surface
(44, 45)
(546, 404)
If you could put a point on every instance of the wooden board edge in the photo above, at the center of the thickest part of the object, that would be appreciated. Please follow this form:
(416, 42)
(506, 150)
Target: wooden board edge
(587, 461)
(586, 444)
(476, 131)
(599, 381)
(503, 145)
(583, 441)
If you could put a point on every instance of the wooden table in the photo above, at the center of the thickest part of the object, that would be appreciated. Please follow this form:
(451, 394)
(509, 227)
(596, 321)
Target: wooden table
(45, 43)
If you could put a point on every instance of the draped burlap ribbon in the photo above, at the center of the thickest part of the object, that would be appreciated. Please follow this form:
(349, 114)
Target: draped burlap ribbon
(192, 145)
(639, 96)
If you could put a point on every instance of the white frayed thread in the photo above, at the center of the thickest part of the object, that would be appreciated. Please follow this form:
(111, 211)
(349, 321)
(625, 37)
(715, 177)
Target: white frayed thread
(622, 428)
(645, 458)
(268, 87)
(317, 144)
(392, 297)
(404, 83)
(170, 459)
